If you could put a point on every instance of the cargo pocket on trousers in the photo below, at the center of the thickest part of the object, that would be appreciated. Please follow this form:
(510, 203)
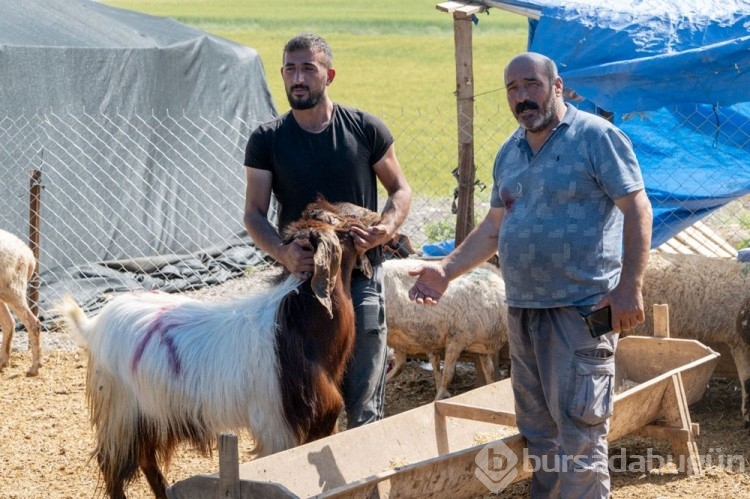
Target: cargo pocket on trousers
(592, 400)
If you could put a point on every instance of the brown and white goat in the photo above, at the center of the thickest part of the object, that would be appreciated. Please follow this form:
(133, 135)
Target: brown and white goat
(17, 265)
(165, 369)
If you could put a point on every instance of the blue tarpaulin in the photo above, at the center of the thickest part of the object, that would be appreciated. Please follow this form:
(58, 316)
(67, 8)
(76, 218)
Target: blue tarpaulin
(676, 76)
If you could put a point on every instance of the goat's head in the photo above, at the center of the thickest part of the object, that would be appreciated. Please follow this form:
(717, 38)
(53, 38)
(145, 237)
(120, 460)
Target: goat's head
(343, 216)
(326, 227)
(324, 240)
(336, 213)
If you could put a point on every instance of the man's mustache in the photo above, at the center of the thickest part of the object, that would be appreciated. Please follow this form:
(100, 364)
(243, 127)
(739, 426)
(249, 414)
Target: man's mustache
(302, 87)
(527, 104)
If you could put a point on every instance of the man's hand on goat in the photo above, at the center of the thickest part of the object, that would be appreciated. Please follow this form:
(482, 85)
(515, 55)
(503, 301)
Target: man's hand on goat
(369, 237)
(297, 258)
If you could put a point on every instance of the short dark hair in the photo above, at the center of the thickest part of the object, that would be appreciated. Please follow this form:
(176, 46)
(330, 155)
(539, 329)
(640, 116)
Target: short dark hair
(314, 43)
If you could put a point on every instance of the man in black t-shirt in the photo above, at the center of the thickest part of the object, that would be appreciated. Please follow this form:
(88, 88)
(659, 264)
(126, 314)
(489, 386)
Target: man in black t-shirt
(323, 148)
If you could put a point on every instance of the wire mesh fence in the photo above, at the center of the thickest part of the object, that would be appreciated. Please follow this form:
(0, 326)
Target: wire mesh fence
(155, 202)
(128, 202)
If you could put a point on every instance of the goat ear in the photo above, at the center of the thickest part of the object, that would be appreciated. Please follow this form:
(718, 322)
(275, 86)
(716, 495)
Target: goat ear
(327, 260)
(364, 265)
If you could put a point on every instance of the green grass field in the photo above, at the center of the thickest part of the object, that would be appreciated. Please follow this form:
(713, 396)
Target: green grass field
(388, 54)
(393, 58)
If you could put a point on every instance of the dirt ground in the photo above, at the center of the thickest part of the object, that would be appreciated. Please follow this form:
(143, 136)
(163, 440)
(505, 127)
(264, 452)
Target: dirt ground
(46, 439)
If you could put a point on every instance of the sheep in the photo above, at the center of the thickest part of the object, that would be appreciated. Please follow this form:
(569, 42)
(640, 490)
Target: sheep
(163, 369)
(17, 266)
(471, 317)
(706, 297)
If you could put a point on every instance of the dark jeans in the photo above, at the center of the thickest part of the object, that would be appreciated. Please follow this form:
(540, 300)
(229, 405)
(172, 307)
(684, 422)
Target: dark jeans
(364, 380)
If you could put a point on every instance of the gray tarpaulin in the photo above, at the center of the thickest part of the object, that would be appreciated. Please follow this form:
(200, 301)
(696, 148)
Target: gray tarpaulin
(138, 124)
(81, 54)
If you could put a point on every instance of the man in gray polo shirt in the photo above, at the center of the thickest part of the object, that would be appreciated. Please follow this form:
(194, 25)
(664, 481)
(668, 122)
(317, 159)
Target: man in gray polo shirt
(571, 222)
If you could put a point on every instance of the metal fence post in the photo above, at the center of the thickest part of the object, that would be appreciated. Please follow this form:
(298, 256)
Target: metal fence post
(35, 197)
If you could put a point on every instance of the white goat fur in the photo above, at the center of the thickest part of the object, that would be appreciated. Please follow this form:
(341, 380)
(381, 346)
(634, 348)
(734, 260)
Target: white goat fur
(17, 265)
(705, 296)
(470, 317)
(213, 341)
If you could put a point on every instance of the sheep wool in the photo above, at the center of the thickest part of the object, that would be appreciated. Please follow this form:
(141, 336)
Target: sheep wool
(706, 297)
(17, 266)
(471, 317)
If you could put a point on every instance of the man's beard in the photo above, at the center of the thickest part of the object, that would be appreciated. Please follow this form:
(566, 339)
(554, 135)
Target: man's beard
(547, 114)
(301, 103)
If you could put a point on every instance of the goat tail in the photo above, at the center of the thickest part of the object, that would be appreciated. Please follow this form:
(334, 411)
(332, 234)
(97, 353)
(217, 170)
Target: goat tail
(75, 318)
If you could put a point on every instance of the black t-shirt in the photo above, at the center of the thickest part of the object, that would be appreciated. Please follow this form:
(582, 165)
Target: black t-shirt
(336, 163)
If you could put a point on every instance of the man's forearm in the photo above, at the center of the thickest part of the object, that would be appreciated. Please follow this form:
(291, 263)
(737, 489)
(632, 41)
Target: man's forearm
(264, 235)
(637, 227)
(478, 247)
(396, 210)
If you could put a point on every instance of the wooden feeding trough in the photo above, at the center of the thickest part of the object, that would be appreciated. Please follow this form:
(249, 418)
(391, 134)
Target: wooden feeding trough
(432, 451)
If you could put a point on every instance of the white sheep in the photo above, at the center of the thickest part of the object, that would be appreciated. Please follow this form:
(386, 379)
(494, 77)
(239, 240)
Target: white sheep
(471, 317)
(17, 266)
(705, 296)
(165, 369)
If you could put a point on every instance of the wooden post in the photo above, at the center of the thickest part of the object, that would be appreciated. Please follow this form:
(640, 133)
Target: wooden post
(35, 197)
(661, 320)
(229, 467)
(677, 415)
(465, 116)
(463, 16)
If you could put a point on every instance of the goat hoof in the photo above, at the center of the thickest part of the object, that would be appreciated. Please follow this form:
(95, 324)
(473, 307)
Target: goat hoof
(33, 370)
(443, 396)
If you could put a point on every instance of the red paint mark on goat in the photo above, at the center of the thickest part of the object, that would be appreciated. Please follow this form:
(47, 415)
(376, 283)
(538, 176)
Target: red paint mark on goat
(160, 327)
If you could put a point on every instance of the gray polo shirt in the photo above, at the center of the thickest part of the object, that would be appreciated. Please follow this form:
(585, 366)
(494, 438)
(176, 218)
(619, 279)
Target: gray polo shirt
(561, 239)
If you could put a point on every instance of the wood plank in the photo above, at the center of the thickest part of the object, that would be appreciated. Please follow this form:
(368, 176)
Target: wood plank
(699, 239)
(229, 467)
(465, 8)
(666, 248)
(661, 432)
(635, 408)
(463, 411)
(696, 244)
(661, 320)
(516, 9)
(707, 245)
(462, 34)
(678, 247)
(646, 357)
(677, 415)
(433, 450)
(454, 475)
(207, 487)
(709, 233)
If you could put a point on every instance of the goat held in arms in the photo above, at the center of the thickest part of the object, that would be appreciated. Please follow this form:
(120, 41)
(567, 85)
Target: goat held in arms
(164, 369)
